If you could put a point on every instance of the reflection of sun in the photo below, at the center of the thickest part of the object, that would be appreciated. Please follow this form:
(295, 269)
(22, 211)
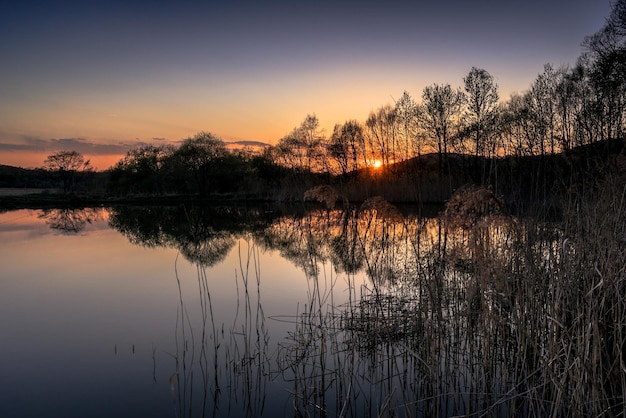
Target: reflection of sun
(377, 164)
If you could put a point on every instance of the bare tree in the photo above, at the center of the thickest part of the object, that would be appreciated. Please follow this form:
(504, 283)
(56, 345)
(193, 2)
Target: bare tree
(515, 126)
(67, 164)
(607, 52)
(346, 145)
(442, 108)
(406, 117)
(567, 106)
(543, 108)
(301, 149)
(482, 100)
(381, 126)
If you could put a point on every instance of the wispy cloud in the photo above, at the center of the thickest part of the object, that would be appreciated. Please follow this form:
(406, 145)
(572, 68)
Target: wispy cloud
(82, 145)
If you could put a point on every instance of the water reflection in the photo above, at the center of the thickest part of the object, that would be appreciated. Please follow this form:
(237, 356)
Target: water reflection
(70, 221)
(203, 235)
(400, 315)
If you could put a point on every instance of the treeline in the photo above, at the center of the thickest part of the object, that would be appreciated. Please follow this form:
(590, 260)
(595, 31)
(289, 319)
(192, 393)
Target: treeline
(564, 108)
(201, 165)
(422, 151)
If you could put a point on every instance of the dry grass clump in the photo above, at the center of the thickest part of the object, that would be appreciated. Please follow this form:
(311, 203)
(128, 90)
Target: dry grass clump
(471, 203)
(324, 194)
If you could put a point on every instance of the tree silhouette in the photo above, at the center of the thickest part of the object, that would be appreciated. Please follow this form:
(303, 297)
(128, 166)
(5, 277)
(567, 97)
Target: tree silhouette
(541, 102)
(201, 156)
(301, 149)
(381, 126)
(144, 170)
(482, 99)
(442, 107)
(66, 164)
(407, 112)
(346, 145)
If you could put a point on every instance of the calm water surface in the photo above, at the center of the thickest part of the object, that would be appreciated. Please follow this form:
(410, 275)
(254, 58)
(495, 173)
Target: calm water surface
(217, 312)
(93, 325)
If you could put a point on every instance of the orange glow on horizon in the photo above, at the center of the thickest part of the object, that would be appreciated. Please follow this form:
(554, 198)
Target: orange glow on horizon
(378, 164)
(35, 160)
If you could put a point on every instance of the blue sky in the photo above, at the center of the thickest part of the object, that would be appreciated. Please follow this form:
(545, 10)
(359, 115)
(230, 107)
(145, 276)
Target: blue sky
(101, 77)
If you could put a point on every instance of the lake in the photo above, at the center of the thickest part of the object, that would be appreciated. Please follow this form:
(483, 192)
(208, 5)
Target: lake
(222, 311)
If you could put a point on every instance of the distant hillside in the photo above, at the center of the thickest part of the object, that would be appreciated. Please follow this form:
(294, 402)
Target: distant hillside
(584, 157)
(22, 177)
(516, 178)
(38, 178)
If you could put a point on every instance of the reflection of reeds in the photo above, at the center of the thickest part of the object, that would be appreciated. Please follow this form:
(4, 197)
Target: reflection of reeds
(249, 339)
(381, 318)
(215, 370)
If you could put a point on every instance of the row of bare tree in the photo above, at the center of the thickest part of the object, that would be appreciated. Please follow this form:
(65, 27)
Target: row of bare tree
(563, 108)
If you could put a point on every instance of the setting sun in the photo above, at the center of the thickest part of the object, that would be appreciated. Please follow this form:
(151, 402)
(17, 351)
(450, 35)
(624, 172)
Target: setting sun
(378, 164)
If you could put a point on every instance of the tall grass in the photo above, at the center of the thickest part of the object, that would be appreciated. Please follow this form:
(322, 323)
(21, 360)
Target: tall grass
(474, 314)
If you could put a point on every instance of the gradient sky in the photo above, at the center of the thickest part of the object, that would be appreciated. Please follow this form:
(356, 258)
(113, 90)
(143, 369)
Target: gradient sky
(101, 77)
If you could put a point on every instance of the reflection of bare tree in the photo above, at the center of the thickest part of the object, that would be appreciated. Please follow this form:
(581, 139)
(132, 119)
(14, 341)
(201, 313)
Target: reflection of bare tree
(384, 236)
(347, 250)
(372, 237)
(304, 241)
(70, 221)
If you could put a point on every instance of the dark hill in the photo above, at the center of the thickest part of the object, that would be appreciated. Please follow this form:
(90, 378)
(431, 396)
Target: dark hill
(521, 180)
(25, 178)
